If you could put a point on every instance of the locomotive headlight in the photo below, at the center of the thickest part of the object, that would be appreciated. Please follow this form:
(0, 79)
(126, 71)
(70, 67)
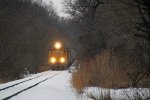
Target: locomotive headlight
(62, 60)
(52, 60)
(57, 45)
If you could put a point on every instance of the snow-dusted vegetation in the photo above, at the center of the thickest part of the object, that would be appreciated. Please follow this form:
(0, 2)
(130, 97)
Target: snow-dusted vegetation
(97, 93)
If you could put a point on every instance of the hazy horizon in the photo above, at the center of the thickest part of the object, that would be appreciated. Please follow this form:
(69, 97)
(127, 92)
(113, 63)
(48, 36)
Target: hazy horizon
(58, 4)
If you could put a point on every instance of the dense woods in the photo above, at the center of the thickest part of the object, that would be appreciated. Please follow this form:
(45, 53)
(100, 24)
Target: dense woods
(27, 29)
(23, 31)
(114, 42)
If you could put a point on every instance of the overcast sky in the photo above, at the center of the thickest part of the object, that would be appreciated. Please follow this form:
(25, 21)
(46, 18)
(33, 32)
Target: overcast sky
(58, 4)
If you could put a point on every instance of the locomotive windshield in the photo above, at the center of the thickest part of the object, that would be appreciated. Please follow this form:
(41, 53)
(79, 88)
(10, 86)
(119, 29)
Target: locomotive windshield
(58, 53)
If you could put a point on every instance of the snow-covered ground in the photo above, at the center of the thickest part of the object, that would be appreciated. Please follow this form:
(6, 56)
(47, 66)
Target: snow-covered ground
(118, 94)
(55, 85)
(55, 88)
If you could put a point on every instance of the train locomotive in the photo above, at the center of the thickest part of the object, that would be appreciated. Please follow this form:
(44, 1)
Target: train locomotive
(59, 57)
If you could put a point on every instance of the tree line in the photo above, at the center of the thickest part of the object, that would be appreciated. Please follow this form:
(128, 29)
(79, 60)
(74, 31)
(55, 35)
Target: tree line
(27, 29)
(116, 26)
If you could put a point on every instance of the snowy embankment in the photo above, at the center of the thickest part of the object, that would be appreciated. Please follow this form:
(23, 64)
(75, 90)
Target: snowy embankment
(55, 88)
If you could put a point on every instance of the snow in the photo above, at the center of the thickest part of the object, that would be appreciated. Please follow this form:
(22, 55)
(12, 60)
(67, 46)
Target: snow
(55, 88)
(118, 94)
(22, 86)
(58, 87)
(16, 81)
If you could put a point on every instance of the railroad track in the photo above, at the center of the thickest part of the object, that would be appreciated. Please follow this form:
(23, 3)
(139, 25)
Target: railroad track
(28, 87)
(7, 87)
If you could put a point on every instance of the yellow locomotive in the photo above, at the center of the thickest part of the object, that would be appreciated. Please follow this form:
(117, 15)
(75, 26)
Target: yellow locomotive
(59, 57)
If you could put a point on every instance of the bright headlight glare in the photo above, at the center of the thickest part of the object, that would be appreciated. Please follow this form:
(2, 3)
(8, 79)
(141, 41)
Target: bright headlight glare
(52, 59)
(57, 45)
(62, 59)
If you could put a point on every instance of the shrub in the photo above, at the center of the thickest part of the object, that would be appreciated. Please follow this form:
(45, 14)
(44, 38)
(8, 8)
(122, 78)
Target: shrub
(108, 70)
